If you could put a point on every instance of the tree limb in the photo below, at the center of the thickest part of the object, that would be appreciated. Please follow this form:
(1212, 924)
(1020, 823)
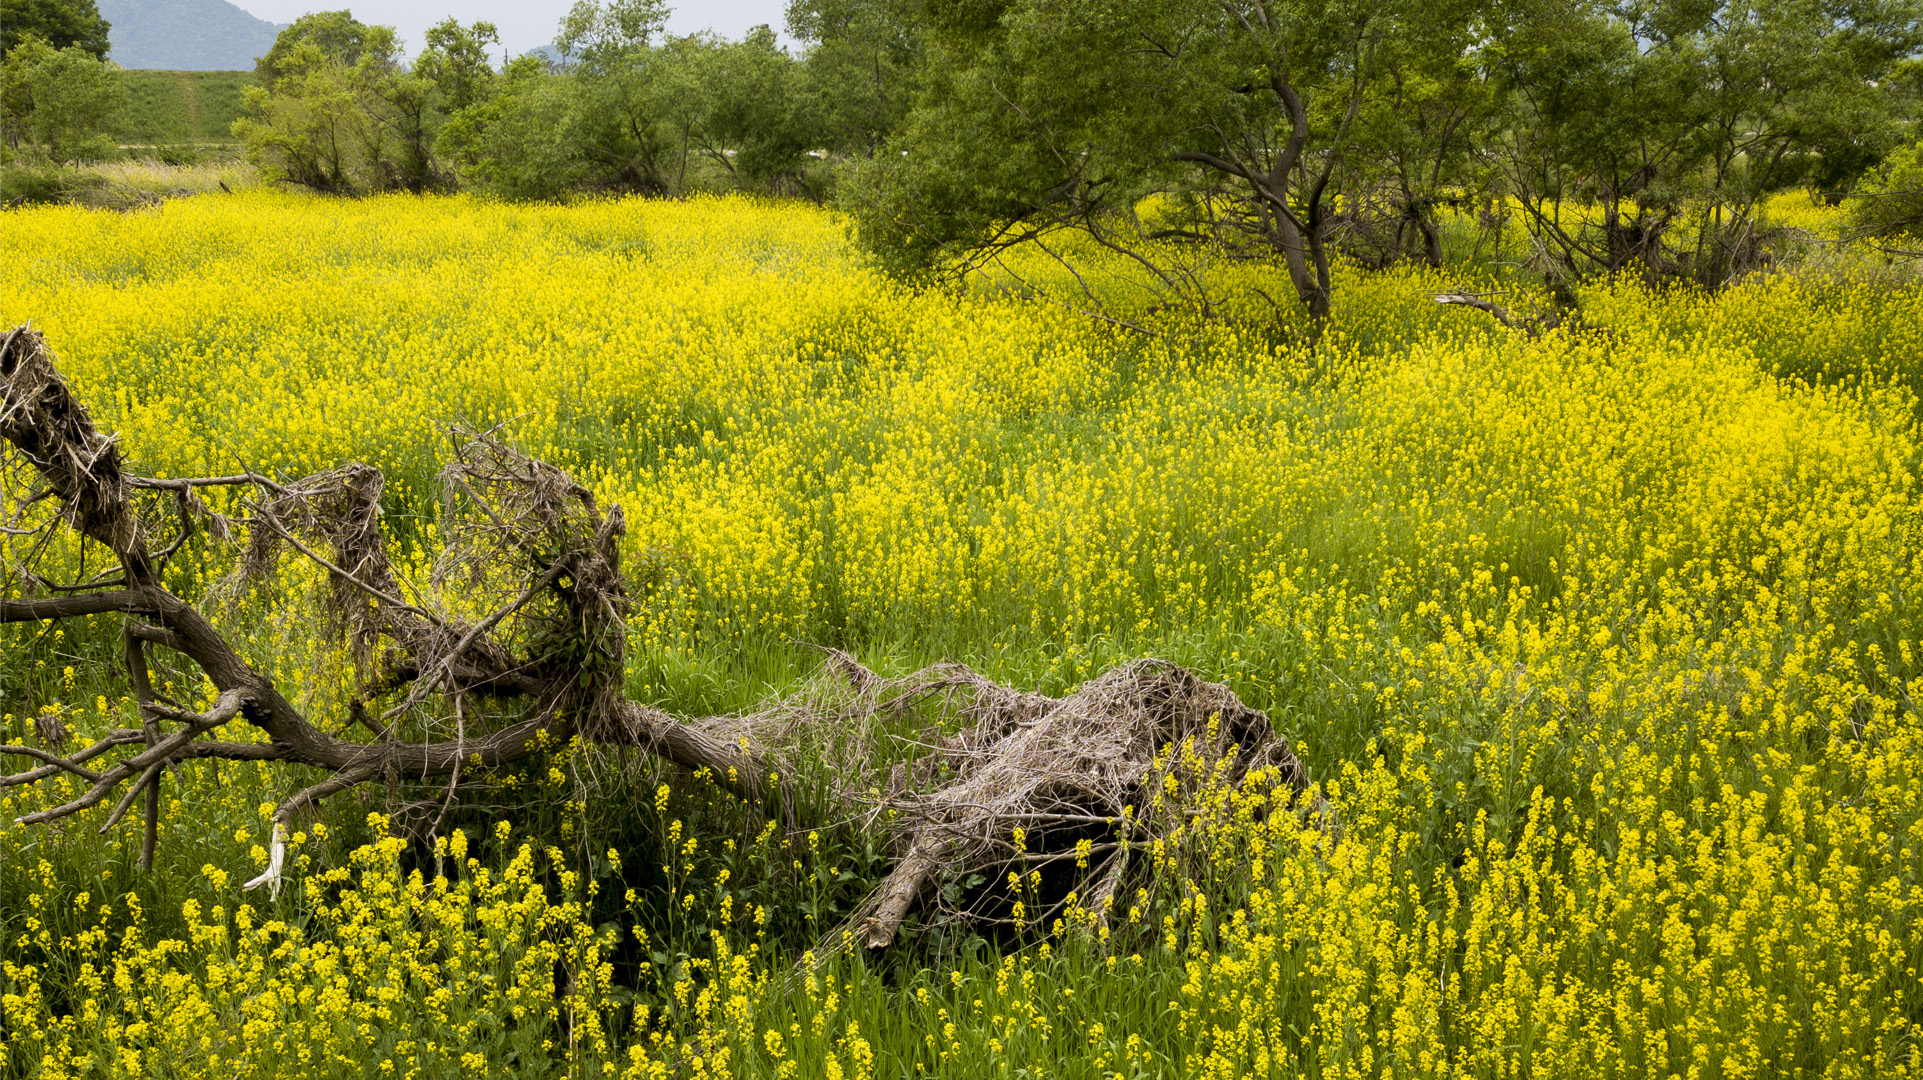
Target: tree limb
(65, 607)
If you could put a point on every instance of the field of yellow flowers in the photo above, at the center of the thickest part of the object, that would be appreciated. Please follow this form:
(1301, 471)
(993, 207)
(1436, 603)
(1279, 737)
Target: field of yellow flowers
(1603, 647)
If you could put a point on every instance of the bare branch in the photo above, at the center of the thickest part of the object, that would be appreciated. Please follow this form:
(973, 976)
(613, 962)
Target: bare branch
(148, 780)
(55, 760)
(65, 607)
(157, 635)
(224, 710)
(120, 737)
(1534, 327)
(185, 482)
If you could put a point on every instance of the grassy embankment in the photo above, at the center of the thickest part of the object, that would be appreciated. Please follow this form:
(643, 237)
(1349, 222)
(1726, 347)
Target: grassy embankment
(175, 139)
(182, 110)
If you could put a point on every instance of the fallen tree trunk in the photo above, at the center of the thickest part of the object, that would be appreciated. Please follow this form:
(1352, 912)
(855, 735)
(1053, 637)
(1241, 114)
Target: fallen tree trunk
(517, 645)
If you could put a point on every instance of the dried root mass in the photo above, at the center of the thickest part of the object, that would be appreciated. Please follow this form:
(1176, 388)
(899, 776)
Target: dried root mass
(1040, 781)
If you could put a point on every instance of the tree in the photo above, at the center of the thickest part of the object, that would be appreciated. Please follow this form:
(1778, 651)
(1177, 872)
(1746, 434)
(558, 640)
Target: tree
(455, 61)
(1414, 139)
(334, 36)
(607, 35)
(1038, 116)
(595, 122)
(761, 111)
(451, 77)
(341, 114)
(736, 104)
(511, 144)
(611, 126)
(60, 23)
(1832, 94)
(1661, 113)
(311, 125)
(862, 64)
(59, 101)
(681, 78)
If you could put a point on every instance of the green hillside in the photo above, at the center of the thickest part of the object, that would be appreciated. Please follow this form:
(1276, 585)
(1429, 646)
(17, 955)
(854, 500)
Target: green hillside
(182, 106)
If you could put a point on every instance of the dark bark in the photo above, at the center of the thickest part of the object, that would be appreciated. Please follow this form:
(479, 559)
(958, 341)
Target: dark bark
(67, 607)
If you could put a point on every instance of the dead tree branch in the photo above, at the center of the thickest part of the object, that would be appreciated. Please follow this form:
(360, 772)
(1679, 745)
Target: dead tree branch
(1533, 326)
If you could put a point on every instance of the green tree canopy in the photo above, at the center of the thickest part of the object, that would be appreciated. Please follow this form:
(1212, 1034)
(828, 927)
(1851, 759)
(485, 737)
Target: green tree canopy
(339, 113)
(60, 23)
(1041, 115)
(611, 36)
(1659, 109)
(863, 60)
(59, 101)
(611, 127)
(735, 103)
(455, 61)
(1284, 128)
(324, 37)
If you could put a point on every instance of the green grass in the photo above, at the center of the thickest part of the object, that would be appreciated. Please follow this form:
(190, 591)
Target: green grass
(171, 107)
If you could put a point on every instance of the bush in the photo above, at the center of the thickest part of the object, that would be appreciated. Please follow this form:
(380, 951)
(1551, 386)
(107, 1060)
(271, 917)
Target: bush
(1889, 204)
(24, 185)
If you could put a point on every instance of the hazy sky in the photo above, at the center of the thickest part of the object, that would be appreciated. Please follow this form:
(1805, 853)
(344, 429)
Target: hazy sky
(524, 24)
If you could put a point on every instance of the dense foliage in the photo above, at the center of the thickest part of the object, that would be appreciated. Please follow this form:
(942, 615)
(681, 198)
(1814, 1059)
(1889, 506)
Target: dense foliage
(1603, 646)
(60, 23)
(57, 103)
(1284, 132)
(58, 95)
(1282, 129)
(630, 111)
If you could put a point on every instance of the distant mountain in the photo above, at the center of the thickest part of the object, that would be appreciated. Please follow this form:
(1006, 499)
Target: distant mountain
(185, 35)
(552, 54)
